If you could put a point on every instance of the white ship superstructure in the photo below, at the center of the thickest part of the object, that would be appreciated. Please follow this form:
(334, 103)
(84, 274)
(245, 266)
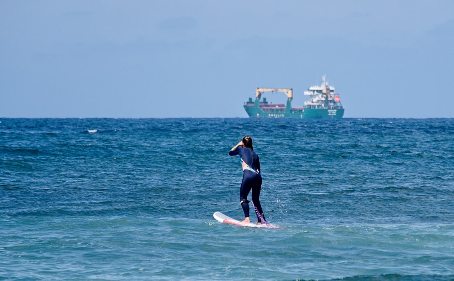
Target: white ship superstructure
(322, 96)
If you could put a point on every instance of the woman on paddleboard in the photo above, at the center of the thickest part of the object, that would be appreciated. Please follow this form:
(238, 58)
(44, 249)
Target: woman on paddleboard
(251, 178)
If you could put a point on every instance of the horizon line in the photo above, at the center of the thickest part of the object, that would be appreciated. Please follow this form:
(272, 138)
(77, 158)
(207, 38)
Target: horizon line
(7, 117)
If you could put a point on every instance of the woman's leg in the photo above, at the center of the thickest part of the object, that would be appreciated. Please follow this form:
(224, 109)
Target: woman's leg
(244, 191)
(256, 201)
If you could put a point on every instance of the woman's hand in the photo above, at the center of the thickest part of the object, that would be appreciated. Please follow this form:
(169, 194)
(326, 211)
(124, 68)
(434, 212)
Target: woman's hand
(235, 147)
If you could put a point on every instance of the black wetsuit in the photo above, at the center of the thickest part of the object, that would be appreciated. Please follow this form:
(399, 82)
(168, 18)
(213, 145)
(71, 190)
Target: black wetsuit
(251, 180)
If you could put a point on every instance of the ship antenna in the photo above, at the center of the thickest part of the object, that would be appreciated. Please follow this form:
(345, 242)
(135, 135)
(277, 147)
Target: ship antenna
(324, 79)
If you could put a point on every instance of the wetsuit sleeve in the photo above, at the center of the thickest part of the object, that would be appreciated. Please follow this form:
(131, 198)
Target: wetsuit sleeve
(234, 152)
(258, 164)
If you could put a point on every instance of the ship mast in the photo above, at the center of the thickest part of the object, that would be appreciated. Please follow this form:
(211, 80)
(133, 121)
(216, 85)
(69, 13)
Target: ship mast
(325, 90)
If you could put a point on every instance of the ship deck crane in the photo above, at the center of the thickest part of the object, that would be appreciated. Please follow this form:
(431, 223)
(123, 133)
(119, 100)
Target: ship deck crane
(287, 91)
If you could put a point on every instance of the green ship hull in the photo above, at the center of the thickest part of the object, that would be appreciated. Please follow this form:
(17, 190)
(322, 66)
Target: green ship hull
(259, 109)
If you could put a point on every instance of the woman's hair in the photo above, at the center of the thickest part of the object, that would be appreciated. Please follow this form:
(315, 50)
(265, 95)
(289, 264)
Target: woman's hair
(247, 141)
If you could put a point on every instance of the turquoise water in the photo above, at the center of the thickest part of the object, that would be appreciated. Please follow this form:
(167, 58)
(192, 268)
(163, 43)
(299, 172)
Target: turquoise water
(356, 199)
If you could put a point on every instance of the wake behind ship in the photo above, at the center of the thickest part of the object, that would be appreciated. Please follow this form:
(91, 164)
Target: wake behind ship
(323, 103)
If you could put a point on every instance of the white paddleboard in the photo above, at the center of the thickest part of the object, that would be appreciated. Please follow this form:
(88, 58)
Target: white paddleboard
(220, 217)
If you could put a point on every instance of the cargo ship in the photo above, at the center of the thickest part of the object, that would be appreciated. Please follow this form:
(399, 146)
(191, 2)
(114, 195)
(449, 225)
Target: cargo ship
(323, 103)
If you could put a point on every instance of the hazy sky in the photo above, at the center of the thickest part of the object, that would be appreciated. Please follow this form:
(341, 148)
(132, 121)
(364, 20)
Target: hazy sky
(204, 58)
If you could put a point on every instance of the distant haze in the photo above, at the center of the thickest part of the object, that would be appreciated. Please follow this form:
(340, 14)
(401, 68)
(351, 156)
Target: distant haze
(180, 58)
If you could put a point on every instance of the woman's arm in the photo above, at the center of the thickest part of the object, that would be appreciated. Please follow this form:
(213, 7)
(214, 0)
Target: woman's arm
(234, 150)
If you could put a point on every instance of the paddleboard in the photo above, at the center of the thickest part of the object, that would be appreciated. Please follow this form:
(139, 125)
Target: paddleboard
(222, 218)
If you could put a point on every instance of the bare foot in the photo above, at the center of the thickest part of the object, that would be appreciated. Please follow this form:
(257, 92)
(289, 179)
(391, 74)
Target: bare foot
(246, 220)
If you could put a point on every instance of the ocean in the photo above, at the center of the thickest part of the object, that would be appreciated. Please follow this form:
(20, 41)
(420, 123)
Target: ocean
(132, 199)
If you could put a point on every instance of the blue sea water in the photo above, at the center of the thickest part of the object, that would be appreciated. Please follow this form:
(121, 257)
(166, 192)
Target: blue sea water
(356, 199)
